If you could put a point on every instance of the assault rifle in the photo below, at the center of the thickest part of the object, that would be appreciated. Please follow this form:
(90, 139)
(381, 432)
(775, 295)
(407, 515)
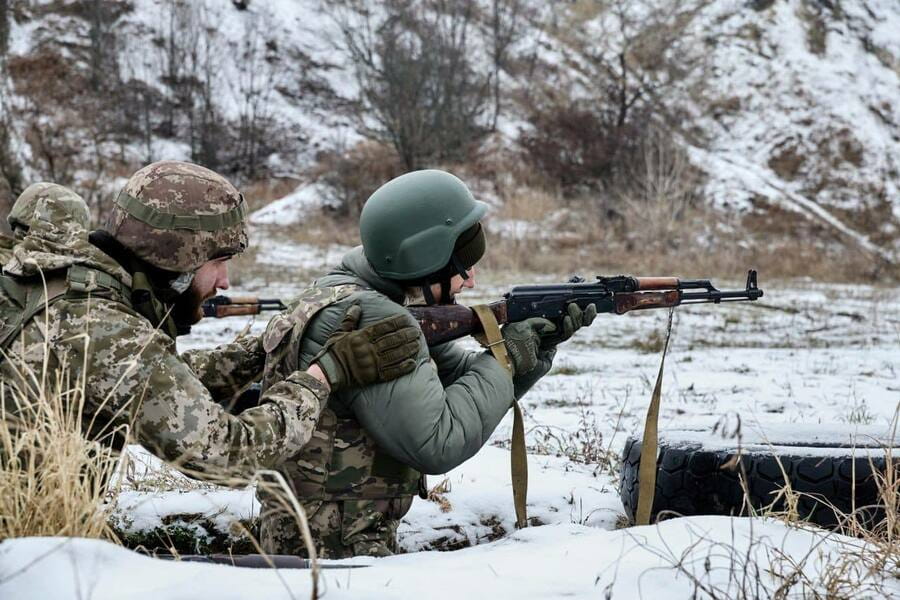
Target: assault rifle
(235, 306)
(619, 295)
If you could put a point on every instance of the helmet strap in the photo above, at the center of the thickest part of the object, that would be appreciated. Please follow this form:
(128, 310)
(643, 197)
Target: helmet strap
(426, 293)
(445, 291)
(459, 266)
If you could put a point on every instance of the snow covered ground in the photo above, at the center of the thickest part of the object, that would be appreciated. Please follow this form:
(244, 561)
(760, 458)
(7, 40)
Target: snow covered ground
(720, 556)
(805, 354)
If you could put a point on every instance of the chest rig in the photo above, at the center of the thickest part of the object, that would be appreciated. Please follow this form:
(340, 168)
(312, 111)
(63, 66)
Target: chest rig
(341, 461)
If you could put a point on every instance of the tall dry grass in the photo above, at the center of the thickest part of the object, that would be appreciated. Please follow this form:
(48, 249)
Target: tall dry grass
(53, 477)
(58, 480)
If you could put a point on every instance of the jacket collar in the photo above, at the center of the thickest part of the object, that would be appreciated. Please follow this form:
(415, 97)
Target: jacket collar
(356, 266)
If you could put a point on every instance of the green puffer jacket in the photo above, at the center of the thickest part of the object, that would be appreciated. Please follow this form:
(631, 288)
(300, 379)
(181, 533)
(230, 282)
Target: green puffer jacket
(432, 419)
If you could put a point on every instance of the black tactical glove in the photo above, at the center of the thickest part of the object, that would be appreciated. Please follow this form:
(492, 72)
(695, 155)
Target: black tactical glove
(572, 322)
(523, 340)
(380, 352)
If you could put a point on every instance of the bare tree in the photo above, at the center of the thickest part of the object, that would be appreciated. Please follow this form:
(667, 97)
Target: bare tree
(260, 71)
(5, 10)
(589, 126)
(419, 87)
(645, 53)
(504, 30)
(103, 48)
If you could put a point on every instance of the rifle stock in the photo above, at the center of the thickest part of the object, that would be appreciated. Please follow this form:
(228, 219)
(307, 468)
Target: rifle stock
(235, 306)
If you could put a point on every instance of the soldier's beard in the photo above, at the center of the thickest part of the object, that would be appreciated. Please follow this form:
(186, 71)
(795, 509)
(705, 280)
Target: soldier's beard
(188, 307)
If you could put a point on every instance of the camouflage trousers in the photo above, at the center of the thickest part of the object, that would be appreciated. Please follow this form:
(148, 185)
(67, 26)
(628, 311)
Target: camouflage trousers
(340, 529)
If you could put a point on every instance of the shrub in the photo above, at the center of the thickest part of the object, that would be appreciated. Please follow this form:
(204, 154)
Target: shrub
(578, 144)
(352, 176)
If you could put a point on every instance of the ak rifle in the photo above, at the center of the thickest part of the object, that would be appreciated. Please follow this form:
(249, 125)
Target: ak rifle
(236, 306)
(618, 295)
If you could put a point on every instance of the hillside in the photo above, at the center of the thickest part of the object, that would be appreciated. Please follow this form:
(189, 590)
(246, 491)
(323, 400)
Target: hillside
(780, 108)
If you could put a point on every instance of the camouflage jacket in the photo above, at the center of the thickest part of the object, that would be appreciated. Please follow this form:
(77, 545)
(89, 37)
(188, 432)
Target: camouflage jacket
(131, 373)
(432, 419)
(6, 246)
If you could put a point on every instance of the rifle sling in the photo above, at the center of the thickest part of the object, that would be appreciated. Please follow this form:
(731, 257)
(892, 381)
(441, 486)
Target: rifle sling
(493, 339)
(650, 442)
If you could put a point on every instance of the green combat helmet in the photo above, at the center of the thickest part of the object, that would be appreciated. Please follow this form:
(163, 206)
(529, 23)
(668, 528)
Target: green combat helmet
(48, 202)
(423, 228)
(177, 216)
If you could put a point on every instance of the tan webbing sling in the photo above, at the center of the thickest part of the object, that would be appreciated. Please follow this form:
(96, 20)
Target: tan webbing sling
(650, 442)
(493, 339)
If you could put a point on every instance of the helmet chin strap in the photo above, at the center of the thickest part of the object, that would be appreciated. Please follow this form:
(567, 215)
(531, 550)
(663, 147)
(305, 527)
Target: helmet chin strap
(444, 280)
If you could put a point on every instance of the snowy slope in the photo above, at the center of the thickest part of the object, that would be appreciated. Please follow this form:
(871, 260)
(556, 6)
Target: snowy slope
(796, 103)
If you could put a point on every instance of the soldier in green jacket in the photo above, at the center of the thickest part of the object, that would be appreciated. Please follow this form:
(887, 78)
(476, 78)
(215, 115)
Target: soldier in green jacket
(106, 307)
(422, 236)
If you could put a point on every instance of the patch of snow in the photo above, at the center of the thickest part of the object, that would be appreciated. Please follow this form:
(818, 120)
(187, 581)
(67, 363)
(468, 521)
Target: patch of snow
(671, 560)
(291, 209)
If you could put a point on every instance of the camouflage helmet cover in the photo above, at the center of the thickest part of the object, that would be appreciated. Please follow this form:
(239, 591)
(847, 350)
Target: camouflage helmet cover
(49, 202)
(177, 216)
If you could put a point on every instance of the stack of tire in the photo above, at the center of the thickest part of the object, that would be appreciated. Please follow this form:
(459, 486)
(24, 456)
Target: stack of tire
(832, 469)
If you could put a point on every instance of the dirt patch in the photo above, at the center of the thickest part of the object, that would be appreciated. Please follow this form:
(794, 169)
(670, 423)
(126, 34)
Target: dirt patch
(787, 160)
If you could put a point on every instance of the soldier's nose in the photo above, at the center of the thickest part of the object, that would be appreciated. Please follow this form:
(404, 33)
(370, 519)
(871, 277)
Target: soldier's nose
(222, 280)
(470, 282)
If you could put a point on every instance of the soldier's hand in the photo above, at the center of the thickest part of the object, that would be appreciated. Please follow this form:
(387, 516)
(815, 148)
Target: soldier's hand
(523, 341)
(572, 322)
(380, 352)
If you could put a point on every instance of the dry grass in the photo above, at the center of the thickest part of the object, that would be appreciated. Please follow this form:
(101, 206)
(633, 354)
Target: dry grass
(53, 479)
(556, 236)
(59, 480)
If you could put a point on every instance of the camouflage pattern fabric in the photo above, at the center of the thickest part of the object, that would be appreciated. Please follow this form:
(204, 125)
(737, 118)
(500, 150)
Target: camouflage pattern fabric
(6, 246)
(131, 373)
(339, 529)
(227, 370)
(51, 234)
(177, 215)
(48, 202)
(6, 202)
(353, 495)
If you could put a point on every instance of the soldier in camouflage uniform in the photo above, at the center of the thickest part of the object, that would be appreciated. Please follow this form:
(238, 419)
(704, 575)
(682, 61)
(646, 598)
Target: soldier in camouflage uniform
(41, 198)
(358, 475)
(43, 202)
(106, 308)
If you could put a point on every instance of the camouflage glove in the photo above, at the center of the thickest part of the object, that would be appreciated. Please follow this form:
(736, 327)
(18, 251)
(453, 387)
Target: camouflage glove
(380, 352)
(572, 322)
(523, 340)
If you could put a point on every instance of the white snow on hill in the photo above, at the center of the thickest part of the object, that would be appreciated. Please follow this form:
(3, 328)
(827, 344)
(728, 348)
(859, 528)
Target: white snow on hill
(799, 104)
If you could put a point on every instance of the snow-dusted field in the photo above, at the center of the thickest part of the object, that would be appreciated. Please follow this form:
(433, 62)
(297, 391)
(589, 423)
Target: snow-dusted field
(806, 354)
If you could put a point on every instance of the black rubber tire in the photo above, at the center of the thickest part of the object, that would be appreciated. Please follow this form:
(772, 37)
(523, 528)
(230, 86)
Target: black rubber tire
(691, 480)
